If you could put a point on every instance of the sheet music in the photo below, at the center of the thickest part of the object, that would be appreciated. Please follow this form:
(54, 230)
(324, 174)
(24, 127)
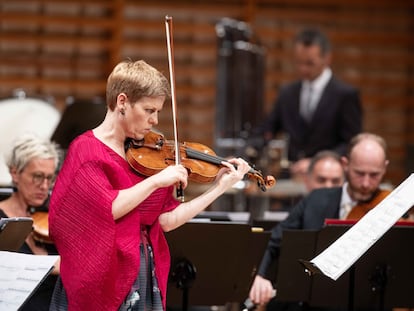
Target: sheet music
(20, 274)
(346, 250)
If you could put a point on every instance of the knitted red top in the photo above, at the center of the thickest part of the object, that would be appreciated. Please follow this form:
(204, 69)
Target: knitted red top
(100, 256)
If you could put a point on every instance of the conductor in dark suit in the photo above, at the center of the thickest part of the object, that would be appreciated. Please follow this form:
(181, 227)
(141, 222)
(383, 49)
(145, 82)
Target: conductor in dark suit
(318, 111)
(365, 166)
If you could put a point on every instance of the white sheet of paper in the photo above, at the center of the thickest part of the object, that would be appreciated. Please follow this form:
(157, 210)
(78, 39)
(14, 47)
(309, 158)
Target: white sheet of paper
(20, 274)
(346, 250)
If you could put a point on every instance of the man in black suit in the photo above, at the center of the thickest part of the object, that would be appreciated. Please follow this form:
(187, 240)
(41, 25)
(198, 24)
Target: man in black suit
(365, 166)
(318, 111)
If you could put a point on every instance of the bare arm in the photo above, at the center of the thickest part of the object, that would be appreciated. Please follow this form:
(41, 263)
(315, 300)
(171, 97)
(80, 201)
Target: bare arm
(226, 178)
(128, 199)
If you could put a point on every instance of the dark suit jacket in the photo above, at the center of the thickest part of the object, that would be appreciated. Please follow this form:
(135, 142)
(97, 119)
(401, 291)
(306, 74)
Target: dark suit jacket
(337, 118)
(310, 213)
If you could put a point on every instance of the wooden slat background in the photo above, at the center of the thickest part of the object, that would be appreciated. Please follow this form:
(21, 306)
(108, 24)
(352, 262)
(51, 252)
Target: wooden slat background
(66, 48)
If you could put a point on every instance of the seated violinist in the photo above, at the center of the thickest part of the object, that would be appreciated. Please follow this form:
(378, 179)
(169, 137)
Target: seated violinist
(365, 166)
(32, 164)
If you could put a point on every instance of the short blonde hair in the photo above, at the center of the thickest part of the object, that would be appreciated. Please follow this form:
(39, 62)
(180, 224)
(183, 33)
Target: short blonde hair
(136, 80)
(29, 146)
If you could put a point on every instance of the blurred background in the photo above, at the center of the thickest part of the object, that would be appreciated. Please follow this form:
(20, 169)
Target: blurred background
(230, 59)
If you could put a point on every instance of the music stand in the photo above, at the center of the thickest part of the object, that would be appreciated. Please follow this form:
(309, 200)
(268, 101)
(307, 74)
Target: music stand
(381, 277)
(224, 257)
(13, 232)
(291, 283)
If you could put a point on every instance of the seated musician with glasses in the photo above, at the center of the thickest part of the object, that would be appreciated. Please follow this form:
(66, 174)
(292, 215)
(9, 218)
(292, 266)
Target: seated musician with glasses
(32, 164)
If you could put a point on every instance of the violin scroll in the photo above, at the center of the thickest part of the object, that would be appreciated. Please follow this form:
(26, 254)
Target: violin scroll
(263, 183)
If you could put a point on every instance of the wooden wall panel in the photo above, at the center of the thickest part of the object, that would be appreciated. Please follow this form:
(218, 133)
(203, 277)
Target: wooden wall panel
(66, 48)
(57, 48)
(372, 45)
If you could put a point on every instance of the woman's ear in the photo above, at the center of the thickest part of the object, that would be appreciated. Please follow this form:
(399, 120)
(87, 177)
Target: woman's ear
(121, 98)
(121, 102)
(14, 175)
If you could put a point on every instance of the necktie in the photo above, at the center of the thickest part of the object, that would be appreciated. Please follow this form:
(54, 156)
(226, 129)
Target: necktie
(307, 109)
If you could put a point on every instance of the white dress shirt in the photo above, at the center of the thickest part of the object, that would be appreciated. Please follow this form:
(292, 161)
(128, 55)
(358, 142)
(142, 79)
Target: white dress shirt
(346, 202)
(311, 93)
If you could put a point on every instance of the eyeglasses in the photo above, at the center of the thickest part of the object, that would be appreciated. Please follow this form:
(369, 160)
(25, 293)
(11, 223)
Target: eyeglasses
(39, 178)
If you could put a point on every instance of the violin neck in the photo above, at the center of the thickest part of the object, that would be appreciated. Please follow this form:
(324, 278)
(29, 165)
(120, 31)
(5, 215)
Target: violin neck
(198, 155)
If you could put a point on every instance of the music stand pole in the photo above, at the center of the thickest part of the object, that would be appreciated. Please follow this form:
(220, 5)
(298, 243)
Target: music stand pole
(184, 273)
(351, 288)
(378, 282)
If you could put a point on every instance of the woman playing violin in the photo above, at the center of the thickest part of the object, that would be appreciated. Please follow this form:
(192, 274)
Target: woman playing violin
(106, 219)
(32, 164)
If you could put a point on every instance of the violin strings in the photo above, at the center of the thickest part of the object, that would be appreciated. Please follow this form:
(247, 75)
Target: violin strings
(210, 158)
(195, 154)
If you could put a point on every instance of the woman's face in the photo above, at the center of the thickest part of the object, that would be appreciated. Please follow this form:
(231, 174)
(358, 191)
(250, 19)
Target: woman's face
(35, 180)
(142, 116)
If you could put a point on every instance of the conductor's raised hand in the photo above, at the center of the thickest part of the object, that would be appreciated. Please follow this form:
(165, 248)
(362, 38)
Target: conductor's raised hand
(232, 171)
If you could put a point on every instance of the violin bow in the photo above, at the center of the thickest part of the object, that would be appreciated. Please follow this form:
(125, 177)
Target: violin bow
(169, 33)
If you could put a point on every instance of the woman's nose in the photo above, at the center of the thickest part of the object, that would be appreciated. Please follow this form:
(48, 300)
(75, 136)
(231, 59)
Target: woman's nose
(154, 119)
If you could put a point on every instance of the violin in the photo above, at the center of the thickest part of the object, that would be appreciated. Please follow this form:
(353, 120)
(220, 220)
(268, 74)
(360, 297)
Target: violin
(359, 210)
(40, 218)
(154, 153)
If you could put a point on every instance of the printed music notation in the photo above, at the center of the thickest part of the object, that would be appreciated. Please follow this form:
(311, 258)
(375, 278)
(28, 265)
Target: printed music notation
(347, 249)
(20, 275)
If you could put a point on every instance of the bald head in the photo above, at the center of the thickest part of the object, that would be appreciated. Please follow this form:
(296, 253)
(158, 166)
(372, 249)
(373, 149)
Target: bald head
(368, 141)
(365, 165)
